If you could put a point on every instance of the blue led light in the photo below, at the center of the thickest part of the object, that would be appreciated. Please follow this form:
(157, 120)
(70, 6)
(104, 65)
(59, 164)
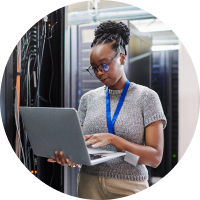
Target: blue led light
(79, 84)
(79, 100)
(79, 92)
(79, 63)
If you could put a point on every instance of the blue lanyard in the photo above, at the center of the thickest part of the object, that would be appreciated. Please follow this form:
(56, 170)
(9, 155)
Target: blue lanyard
(110, 123)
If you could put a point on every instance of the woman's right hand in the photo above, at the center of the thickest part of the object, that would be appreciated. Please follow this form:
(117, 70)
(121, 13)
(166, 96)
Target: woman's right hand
(61, 160)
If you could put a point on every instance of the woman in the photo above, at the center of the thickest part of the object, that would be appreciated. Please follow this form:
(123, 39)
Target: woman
(136, 126)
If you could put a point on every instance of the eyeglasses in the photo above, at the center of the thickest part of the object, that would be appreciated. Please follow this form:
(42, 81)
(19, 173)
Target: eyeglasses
(102, 68)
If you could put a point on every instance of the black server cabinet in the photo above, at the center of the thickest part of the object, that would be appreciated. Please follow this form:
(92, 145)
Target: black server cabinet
(35, 54)
(51, 87)
(86, 82)
(165, 83)
(138, 69)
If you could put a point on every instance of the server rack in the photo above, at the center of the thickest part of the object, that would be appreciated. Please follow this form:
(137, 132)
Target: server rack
(41, 89)
(41, 84)
(51, 86)
(165, 83)
(138, 68)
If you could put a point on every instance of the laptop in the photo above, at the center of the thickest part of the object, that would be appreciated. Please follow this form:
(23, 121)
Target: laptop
(58, 129)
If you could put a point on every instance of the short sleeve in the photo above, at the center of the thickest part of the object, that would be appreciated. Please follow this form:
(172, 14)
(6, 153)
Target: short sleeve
(82, 109)
(152, 108)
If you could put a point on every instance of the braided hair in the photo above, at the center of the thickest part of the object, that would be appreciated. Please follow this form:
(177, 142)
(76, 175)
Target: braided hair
(113, 32)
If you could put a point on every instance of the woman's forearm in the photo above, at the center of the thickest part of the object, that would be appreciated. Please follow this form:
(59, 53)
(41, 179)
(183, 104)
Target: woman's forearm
(147, 155)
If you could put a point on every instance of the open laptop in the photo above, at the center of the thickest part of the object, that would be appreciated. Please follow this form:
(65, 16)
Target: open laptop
(58, 129)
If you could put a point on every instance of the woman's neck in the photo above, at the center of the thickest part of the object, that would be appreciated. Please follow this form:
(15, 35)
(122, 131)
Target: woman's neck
(119, 85)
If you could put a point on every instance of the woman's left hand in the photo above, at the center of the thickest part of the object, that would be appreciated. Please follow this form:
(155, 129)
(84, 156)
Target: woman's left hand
(98, 139)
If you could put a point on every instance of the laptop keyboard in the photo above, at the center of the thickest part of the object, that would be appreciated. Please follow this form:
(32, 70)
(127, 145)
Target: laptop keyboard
(94, 156)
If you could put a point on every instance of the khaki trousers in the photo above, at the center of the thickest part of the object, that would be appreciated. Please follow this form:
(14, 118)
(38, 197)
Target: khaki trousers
(93, 187)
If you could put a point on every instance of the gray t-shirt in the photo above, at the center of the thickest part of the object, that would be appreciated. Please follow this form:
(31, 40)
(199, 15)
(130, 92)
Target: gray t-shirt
(141, 107)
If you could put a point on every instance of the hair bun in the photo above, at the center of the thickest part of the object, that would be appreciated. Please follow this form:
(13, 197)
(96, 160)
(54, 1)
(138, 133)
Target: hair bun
(114, 28)
(124, 32)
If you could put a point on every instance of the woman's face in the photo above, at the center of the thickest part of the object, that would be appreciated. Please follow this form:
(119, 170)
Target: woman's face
(103, 54)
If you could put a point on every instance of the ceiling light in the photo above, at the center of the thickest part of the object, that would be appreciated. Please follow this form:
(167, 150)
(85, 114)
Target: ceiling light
(150, 25)
(164, 47)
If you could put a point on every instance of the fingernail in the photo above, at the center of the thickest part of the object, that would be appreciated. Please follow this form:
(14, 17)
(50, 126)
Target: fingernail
(56, 152)
(61, 153)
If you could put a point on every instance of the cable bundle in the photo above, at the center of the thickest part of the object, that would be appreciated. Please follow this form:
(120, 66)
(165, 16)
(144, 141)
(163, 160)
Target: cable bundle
(30, 52)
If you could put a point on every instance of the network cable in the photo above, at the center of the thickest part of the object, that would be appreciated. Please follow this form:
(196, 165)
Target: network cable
(27, 73)
(18, 131)
(51, 60)
(35, 61)
(28, 101)
(51, 73)
(32, 57)
(33, 66)
(25, 158)
(53, 26)
(17, 126)
(40, 63)
(28, 48)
